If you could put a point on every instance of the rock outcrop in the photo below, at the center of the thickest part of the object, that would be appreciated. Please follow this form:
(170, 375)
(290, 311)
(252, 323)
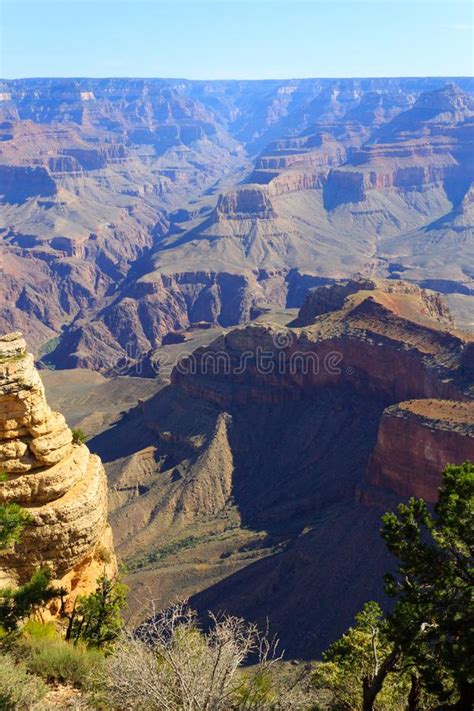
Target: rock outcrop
(427, 147)
(416, 440)
(425, 305)
(248, 202)
(97, 158)
(387, 341)
(300, 163)
(55, 479)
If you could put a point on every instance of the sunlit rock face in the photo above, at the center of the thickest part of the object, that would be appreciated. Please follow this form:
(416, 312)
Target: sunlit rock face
(56, 480)
(391, 339)
(416, 440)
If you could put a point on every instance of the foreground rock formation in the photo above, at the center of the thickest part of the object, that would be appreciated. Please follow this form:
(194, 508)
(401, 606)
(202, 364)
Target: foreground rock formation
(56, 480)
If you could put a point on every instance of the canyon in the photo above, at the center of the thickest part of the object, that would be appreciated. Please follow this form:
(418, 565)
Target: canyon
(256, 299)
(135, 208)
(255, 476)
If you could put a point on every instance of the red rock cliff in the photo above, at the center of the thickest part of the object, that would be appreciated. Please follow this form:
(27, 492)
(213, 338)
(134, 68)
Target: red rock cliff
(416, 440)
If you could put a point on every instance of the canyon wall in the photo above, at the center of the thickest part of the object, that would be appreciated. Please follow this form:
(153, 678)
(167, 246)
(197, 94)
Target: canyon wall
(262, 470)
(110, 184)
(387, 341)
(415, 441)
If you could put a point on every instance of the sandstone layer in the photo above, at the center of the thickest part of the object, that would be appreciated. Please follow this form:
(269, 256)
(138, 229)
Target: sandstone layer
(60, 484)
(384, 337)
(381, 339)
(416, 440)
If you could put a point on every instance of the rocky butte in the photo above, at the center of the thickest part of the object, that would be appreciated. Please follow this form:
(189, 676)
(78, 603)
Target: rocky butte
(384, 340)
(55, 479)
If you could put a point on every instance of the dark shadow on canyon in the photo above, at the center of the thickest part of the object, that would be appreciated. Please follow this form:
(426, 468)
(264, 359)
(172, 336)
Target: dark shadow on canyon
(296, 467)
(122, 439)
(310, 592)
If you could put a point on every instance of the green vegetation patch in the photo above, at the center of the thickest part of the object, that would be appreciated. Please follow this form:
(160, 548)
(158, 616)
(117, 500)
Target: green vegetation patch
(52, 658)
(157, 555)
(19, 689)
(78, 436)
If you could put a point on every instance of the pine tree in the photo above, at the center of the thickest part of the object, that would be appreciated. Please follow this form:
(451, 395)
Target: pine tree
(433, 619)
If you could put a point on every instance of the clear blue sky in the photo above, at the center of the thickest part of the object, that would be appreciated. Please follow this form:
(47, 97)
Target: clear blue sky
(247, 39)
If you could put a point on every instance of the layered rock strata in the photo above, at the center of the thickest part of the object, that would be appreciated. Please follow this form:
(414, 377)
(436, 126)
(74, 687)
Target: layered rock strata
(303, 436)
(429, 305)
(387, 338)
(416, 440)
(245, 203)
(381, 339)
(427, 146)
(54, 478)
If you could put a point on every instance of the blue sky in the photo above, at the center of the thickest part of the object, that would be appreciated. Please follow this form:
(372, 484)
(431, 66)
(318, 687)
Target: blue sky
(248, 39)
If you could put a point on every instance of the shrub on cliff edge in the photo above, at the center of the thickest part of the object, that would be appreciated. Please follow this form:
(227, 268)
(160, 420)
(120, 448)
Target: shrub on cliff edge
(78, 436)
(13, 519)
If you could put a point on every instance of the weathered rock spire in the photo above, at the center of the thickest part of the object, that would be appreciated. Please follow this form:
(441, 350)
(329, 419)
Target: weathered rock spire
(59, 482)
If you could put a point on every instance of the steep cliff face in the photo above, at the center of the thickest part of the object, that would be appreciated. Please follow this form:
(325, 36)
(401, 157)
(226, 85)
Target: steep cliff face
(379, 342)
(256, 479)
(19, 183)
(149, 309)
(300, 163)
(416, 440)
(406, 299)
(58, 482)
(427, 147)
(245, 203)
